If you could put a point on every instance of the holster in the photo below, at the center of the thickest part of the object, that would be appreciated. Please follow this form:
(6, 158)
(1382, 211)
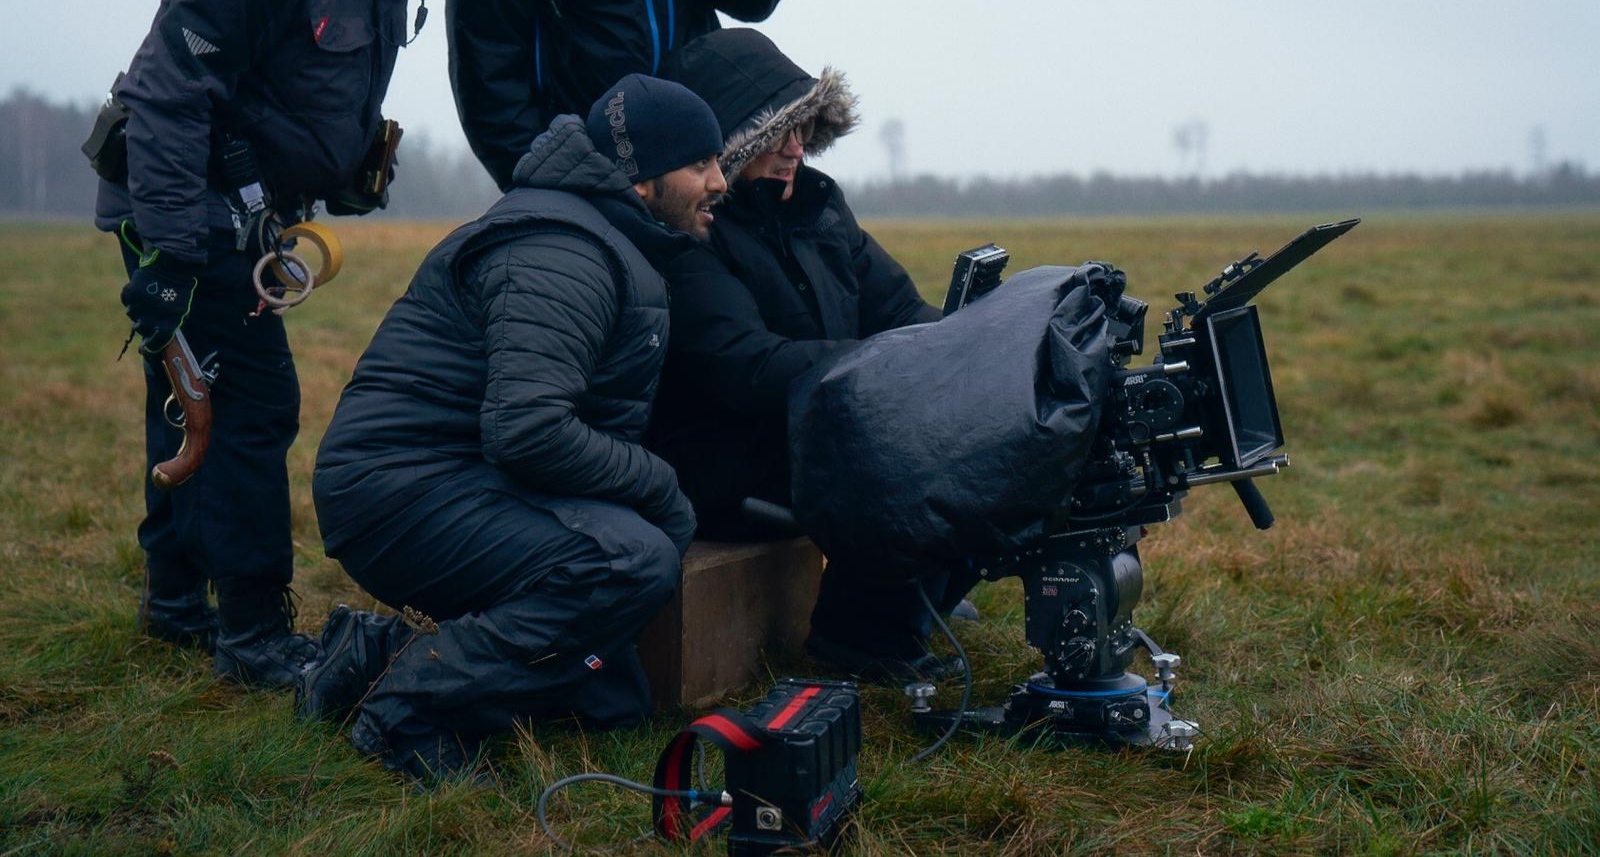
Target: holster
(107, 146)
(370, 188)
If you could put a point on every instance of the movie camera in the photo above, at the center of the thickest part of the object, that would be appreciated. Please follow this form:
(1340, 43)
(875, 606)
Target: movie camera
(1202, 413)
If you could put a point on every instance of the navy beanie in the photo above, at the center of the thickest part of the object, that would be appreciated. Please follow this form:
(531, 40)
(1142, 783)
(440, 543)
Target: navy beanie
(650, 126)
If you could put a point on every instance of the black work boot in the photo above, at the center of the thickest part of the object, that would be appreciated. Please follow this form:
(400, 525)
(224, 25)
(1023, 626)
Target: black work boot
(429, 760)
(177, 611)
(356, 648)
(257, 645)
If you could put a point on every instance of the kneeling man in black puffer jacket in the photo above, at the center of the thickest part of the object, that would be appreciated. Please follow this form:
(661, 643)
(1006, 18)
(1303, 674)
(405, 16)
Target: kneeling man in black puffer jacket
(483, 472)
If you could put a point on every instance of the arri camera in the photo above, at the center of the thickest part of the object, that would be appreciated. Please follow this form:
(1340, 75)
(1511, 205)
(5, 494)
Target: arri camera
(1203, 412)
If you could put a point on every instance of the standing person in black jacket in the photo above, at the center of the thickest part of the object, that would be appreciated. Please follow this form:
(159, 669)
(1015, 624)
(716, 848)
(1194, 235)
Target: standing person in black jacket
(484, 465)
(298, 84)
(788, 281)
(517, 64)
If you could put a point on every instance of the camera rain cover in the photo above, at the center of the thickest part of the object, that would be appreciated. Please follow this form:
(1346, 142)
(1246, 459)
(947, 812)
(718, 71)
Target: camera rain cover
(940, 442)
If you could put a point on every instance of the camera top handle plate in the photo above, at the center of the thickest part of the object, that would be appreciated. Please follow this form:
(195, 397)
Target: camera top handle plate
(1241, 291)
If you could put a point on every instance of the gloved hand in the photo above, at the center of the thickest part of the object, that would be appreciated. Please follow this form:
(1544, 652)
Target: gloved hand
(369, 189)
(677, 520)
(158, 298)
(355, 202)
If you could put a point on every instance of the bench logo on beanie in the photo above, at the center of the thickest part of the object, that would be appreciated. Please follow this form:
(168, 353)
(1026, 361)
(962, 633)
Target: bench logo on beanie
(650, 127)
(617, 115)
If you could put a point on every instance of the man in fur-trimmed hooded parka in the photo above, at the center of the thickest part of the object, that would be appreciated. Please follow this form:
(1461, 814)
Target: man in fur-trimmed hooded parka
(788, 280)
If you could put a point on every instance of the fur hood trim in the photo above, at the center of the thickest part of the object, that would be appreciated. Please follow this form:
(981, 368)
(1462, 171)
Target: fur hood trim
(829, 105)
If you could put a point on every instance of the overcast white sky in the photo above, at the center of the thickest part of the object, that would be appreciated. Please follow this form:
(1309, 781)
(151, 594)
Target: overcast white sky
(1022, 87)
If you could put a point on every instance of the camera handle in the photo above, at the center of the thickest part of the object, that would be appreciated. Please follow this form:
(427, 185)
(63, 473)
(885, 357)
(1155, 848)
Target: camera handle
(1254, 503)
(1244, 485)
(770, 514)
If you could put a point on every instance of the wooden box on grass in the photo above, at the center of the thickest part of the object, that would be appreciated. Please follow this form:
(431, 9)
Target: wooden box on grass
(736, 601)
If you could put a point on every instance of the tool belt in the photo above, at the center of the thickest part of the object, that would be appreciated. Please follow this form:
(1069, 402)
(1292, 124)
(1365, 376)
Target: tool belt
(370, 189)
(233, 165)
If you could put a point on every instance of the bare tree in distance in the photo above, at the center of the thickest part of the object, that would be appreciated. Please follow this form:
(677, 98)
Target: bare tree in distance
(893, 137)
(1190, 139)
(1538, 157)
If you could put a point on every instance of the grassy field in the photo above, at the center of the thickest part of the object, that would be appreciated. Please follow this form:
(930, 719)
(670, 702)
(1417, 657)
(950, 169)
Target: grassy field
(1406, 664)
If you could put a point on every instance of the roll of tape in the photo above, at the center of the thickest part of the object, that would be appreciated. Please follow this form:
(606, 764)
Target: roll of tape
(320, 237)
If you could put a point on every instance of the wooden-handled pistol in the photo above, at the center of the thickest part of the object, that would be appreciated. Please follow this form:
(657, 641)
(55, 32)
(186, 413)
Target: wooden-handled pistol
(191, 390)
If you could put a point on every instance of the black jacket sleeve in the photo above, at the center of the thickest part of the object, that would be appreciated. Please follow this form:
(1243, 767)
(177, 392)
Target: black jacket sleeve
(549, 306)
(720, 339)
(889, 298)
(191, 61)
(491, 46)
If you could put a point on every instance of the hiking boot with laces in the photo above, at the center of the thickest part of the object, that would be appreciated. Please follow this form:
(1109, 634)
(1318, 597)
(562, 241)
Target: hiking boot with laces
(428, 760)
(257, 645)
(354, 653)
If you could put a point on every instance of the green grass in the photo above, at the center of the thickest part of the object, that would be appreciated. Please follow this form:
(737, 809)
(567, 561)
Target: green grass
(1405, 664)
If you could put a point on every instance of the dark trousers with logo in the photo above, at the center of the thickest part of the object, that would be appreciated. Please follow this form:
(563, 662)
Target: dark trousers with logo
(537, 602)
(231, 519)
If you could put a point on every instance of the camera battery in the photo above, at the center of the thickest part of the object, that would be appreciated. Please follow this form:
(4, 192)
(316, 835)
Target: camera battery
(790, 766)
(797, 787)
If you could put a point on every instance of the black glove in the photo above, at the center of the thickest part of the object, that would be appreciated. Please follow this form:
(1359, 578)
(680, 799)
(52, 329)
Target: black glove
(354, 202)
(158, 299)
(369, 190)
(677, 520)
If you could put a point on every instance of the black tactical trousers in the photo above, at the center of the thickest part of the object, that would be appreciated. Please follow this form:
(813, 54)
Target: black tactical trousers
(537, 602)
(859, 611)
(231, 519)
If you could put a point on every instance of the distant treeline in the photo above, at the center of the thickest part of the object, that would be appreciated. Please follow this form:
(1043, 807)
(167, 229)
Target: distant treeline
(43, 174)
(1104, 194)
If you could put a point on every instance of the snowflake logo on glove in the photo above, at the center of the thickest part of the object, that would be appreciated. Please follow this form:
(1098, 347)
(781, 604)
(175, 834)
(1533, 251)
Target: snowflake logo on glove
(169, 294)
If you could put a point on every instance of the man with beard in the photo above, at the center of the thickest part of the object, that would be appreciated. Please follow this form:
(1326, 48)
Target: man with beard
(483, 472)
(789, 281)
